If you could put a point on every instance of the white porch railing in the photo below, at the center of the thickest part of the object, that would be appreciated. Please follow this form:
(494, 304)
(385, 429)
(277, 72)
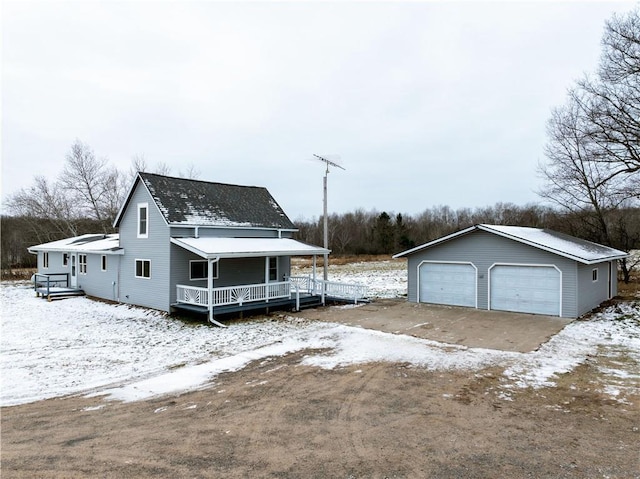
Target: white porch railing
(247, 293)
(344, 290)
(334, 289)
(240, 294)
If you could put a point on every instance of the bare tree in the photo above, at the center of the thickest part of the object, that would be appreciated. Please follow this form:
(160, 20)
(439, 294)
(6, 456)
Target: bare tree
(95, 187)
(51, 212)
(610, 101)
(593, 150)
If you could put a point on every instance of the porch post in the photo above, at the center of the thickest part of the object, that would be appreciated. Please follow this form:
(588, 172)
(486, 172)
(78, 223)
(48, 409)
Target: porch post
(210, 263)
(210, 288)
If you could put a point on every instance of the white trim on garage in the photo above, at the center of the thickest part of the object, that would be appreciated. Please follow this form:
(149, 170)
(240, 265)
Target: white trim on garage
(418, 290)
(532, 266)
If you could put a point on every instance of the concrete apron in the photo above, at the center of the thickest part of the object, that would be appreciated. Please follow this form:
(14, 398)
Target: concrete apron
(470, 327)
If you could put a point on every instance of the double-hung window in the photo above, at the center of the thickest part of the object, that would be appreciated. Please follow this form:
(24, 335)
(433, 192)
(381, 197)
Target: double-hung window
(143, 220)
(103, 262)
(65, 259)
(45, 260)
(594, 274)
(143, 268)
(273, 268)
(82, 263)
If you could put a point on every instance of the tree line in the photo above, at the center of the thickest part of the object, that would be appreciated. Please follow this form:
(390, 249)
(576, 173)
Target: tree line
(381, 233)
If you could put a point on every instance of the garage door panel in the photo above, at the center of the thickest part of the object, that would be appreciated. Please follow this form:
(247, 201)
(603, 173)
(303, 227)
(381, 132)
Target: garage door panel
(448, 283)
(525, 289)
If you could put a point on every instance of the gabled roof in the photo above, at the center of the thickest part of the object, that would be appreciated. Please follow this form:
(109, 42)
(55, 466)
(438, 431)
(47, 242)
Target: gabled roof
(89, 243)
(183, 201)
(247, 247)
(561, 244)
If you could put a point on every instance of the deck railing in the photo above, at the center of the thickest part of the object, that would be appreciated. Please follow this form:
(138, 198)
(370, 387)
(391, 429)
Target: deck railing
(344, 290)
(52, 280)
(247, 293)
(240, 294)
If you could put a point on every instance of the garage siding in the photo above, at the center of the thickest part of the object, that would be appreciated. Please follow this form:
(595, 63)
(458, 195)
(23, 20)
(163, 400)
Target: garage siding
(591, 292)
(485, 249)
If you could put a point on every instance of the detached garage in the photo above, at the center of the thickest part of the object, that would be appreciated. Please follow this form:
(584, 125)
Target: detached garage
(512, 268)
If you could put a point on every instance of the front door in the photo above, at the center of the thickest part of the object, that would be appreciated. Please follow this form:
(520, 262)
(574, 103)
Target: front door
(73, 277)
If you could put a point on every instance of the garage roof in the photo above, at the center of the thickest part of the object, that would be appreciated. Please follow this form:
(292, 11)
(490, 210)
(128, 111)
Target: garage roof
(247, 247)
(561, 244)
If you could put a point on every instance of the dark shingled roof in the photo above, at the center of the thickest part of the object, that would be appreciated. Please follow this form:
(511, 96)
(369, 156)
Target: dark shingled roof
(194, 202)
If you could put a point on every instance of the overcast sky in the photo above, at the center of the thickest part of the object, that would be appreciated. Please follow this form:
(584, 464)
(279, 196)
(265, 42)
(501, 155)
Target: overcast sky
(426, 103)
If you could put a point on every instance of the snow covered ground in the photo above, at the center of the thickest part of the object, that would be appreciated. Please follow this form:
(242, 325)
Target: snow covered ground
(78, 345)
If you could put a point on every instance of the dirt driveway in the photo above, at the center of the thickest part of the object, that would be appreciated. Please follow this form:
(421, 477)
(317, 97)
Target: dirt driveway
(466, 326)
(278, 419)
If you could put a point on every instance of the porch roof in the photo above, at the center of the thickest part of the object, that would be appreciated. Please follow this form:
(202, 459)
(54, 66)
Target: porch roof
(247, 247)
(89, 243)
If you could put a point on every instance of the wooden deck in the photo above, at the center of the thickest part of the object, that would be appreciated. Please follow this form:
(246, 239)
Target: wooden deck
(57, 292)
(54, 286)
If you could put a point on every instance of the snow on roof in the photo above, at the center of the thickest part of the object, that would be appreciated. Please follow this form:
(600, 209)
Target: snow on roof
(89, 243)
(184, 201)
(246, 247)
(565, 245)
(561, 244)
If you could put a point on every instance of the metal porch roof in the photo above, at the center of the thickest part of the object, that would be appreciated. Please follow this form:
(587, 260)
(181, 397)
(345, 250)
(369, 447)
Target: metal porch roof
(247, 247)
(89, 243)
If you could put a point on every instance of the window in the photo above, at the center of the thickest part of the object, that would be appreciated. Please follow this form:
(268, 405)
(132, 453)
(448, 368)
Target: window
(143, 268)
(594, 275)
(82, 263)
(45, 260)
(199, 270)
(273, 268)
(143, 220)
(103, 262)
(65, 259)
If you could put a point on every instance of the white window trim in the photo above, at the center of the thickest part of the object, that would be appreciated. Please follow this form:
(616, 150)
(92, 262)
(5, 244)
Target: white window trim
(594, 270)
(146, 234)
(45, 260)
(135, 268)
(268, 269)
(215, 271)
(103, 262)
(82, 265)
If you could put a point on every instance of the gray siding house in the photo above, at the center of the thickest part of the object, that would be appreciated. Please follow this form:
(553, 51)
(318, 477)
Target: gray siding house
(186, 243)
(511, 268)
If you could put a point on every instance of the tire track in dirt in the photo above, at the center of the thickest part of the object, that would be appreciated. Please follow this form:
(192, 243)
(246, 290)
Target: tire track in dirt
(351, 413)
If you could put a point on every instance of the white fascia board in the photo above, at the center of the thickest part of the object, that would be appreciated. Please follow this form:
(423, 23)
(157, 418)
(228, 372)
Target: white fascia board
(251, 254)
(62, 249)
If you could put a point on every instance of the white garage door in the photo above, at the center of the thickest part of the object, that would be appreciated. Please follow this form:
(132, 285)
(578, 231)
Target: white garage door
(526, 289)
(448, 283)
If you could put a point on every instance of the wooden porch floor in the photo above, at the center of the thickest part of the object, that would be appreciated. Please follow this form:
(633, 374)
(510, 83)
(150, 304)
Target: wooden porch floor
(58, 292)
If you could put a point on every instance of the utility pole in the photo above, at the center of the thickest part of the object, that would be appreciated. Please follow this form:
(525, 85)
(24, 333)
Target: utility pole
(326, 220)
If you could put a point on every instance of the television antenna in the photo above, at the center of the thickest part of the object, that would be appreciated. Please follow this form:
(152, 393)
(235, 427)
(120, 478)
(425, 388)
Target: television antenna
(327, 163)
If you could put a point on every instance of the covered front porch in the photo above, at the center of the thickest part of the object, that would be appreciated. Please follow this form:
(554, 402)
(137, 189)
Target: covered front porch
(295, 293)
(278, 290)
